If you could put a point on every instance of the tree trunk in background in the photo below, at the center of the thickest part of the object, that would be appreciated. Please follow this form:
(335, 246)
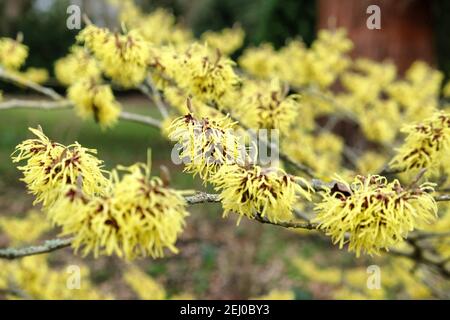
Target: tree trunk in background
(406, 32)
(12, 9)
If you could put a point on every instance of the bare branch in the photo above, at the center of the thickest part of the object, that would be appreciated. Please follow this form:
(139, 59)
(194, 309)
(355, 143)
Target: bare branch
(65, 104)
(140, 119)
(443, 197)
(33, 104)
(13, 78)
(202, 197)
(154, 96)
(46, 247)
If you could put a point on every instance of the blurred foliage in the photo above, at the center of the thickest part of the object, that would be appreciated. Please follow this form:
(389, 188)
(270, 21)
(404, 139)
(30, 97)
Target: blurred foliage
(263, 21)
(441, 13)
(42, 34)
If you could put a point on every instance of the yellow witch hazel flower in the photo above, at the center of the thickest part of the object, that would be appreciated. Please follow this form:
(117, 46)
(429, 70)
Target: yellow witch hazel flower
(250, 190)
(122, 57)
(51, 166)
(206, 144)
(93, 99)
(36, 75)
(427, 145)
(205, 75)
(158, 27)
(266, 105)
(372, 214)
(78, 64)
(226, 41)
(12, 53)
(139, 217)
(418, 93)
(260, 62)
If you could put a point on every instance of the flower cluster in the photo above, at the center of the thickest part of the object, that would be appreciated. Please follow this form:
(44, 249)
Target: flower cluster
(12, 53)
(138, 217)
(226, 41)
(206, 144)
(427, 144)
(250, 190)
(298, 65)
(94, 100)
(51, 166)
(78, 64)
(130, 214)
(418, 93)
(372, 214)
(207, 75)
(158, 27)
(122, 57)
(36, 75)
(266, 105)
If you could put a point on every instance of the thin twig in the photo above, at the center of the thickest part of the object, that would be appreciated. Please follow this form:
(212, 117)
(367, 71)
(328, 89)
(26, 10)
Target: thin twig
(46, 247)
(154, 96)
(66, 104)
(140, 119)
(35, 104)
(202, 197)
(10, 77)
(443, 197)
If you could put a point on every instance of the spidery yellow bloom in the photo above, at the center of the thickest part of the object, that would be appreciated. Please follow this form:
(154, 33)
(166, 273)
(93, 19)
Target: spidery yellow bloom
(266, 105)
(261, 62)
(205, 145)
(95, 100)
(204, 75)
(250, 190)
(122, 57)
(78, 64)
(426, 145)
(12, 53)
(50, 166)
(37, 75)
(319, 65)
(226, 41)
(158, 27)
(139, 217)
(372, 214)
(418, 93)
